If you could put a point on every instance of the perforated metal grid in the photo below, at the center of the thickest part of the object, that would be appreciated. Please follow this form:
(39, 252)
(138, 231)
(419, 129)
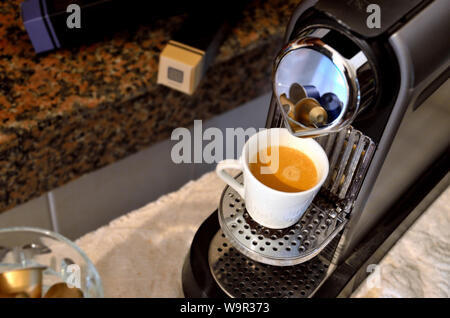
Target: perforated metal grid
(239, 276)
(349, 152)
(284, 247)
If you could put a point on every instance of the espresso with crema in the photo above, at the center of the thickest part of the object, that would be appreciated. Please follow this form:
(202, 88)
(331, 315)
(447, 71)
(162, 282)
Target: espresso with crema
(292, 172)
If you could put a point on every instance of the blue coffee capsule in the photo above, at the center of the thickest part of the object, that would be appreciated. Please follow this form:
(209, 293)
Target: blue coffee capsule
(332, 105)
(311, 91)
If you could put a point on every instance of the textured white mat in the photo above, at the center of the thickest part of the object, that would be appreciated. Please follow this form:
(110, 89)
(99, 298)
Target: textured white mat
(141, 254)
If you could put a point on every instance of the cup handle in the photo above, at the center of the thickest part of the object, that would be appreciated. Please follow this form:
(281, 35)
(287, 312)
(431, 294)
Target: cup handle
(233, 164)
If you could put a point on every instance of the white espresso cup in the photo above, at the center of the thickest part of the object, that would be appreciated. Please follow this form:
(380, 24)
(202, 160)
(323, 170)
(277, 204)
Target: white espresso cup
(269, 207)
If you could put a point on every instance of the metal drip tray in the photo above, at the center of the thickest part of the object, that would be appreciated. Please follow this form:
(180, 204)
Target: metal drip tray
(290, 246)
(239, 276)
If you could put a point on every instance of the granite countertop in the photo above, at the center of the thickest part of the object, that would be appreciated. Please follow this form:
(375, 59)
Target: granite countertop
(72, 111)
(141, 254)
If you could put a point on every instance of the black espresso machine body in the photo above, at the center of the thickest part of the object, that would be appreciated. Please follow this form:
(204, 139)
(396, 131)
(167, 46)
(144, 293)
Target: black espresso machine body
(388, 152)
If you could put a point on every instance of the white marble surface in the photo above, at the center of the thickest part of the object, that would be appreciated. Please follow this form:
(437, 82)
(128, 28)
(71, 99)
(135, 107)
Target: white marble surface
(141, 254)
(418, 265)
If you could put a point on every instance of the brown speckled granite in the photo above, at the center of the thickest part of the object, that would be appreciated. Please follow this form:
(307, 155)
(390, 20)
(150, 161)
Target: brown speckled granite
(71, 111)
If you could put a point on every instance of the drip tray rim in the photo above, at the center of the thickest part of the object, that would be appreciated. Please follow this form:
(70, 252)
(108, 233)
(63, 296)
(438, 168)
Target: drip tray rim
(246, 235)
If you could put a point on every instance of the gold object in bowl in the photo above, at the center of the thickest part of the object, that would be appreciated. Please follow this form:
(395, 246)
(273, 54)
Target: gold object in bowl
(22, 283)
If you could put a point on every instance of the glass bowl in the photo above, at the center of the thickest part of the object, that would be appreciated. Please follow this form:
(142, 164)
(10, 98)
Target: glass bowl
(24, 247)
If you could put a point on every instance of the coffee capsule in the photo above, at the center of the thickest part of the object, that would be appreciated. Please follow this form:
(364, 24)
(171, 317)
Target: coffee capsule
(287, 105)
(22, 282)
(309, 112)
(296, 93)
(332, 105)
(62, 290)
(312, 92)
(289, 108)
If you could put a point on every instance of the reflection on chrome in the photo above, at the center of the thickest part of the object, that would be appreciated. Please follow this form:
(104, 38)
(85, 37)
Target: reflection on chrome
(326, 76)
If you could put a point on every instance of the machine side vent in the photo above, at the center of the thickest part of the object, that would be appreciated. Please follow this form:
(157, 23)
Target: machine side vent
(349, 153)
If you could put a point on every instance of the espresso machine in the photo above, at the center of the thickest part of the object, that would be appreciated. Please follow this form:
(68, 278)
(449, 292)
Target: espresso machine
(386, 140)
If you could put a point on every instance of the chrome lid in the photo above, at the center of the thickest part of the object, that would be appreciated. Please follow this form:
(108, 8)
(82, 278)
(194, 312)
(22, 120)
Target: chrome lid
(323, 71)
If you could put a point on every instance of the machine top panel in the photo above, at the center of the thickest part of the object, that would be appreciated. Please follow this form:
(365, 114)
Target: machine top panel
(353, 14)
